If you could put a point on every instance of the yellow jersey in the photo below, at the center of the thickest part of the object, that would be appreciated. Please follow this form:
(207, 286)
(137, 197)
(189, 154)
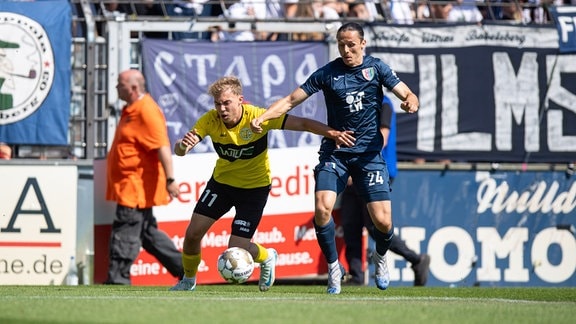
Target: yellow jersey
(242, 154)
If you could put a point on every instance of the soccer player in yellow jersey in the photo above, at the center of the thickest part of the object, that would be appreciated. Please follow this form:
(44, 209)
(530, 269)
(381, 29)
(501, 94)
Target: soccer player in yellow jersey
(241, 177)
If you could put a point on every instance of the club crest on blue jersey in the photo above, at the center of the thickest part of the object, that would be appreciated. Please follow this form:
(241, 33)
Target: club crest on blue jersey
(368, 73)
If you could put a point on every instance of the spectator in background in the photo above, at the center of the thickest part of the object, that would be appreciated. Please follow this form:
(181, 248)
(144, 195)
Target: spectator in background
(140, 175)
(355, 217)
(5, 151)
(402, 11)
(243, 10)
(437, 11)
(305, 11)
(466, 11)
(511, 11)
(278, 9)
(191, 9)
(360, 10)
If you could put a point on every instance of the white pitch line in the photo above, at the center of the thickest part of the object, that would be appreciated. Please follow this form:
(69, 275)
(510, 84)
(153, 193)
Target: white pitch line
(295, 298)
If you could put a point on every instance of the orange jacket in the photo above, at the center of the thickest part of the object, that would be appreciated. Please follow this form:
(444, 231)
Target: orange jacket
(135, 177)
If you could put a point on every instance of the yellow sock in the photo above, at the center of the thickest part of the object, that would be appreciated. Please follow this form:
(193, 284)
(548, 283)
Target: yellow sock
(262, 254)
(190, 264)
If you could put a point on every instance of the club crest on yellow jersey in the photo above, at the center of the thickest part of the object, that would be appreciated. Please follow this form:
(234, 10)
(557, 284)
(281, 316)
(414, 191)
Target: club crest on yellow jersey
(246, 134)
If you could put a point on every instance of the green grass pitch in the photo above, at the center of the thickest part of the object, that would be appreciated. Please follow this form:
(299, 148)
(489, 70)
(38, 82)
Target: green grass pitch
(285, 304)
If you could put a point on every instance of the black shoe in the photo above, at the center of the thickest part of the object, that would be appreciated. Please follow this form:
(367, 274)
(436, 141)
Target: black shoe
(421, 270)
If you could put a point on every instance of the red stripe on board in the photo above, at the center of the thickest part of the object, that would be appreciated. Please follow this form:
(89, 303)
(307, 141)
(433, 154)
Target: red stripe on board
(31, 244)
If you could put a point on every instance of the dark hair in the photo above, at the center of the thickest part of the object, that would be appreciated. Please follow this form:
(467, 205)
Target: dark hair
(351, 26)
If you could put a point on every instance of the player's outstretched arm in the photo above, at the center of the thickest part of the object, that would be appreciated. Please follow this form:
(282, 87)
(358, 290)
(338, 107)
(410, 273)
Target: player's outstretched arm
(187, 143)
(345, 138)
(410, 102)
(279, 108)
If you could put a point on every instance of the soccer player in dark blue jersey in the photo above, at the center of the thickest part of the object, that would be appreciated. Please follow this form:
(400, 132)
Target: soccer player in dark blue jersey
(353, 90)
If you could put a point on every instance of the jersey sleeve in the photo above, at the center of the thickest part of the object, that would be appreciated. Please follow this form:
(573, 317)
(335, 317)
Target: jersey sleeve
(314, 82)
(389, 79)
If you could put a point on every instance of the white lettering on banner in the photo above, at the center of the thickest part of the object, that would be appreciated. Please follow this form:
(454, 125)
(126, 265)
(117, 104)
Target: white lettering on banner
(164, 57)
(238, 68)
(304, 233)
(461, 267)
(269, 79)
(139, 268)
(557, 141)
(517, 96)
(497, 198)
(274, 236)
(549, 272)
(414, 238)
(451, 139)
(154, 268)
(273, 69)
(296, 258)
(493, 247)
(566, 25)
(212, 239)
(38, 224)
(201, 61)
(517, 102)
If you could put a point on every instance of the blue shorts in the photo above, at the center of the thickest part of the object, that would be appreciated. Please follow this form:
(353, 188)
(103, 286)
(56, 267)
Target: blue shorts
(368, 171)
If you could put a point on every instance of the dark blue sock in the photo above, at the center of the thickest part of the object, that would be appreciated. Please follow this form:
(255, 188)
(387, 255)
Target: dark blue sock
(326, 236)
(382, 240)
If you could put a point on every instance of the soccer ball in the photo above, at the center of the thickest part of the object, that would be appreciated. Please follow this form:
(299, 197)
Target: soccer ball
(235, 265)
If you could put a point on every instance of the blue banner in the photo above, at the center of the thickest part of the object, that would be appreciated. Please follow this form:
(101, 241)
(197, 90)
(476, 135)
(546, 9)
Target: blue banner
(565, 19)
(487, 229)
(35, 41)
(179, 73)
(487, 93)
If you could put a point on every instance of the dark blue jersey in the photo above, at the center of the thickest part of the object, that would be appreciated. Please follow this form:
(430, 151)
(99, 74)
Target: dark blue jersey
(353, 97)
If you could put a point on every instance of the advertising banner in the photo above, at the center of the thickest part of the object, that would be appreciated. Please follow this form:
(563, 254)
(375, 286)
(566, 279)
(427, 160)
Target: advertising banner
(286, 225)
(488, 228)
(502, 228)
(35, 42)
(38, 224)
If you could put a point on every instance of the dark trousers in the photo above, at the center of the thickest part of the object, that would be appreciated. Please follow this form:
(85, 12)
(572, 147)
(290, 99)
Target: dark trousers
(134, 228)
(354, 217)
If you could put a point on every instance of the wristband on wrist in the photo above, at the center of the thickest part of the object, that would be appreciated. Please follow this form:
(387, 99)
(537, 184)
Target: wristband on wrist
(169, 181)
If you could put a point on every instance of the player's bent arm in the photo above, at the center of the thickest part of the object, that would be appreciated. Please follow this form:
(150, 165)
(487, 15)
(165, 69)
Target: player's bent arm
(305, 124)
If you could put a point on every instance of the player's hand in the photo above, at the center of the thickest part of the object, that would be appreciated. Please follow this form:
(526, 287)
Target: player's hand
(256, 125)
(409, 107)
(344, 138)
(187, 143)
